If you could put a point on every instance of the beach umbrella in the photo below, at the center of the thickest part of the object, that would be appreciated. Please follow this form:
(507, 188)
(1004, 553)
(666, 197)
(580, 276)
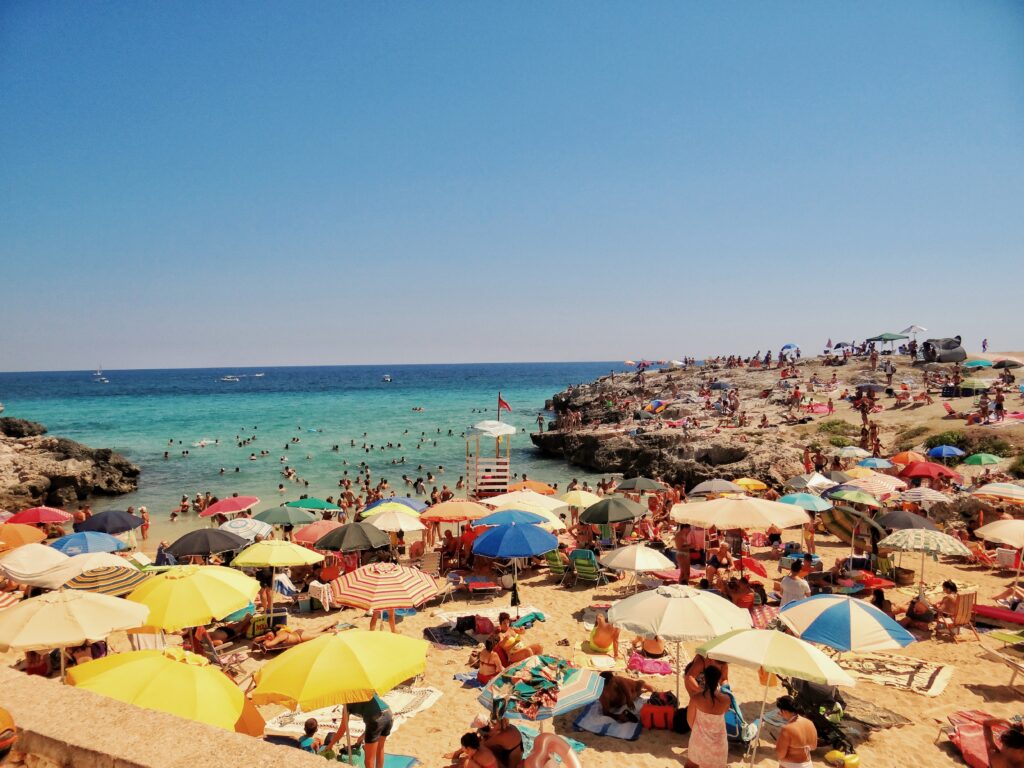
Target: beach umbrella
(914, 329)
(924, 496)
(814, 482)
(879, 486)
(908, 457)
(514, 540)
(852, 452)
(678, 614)
(344, 668)
(354, 537)
(1008, 363)
(1009, 532)
(926, 542)
(742, 512)
(854, 495)
(930, 470)
(978, 364)
(807, 501)
(285, 516)
(313, 505)
(171, 680)
(312, 533)
(850, 525)
(976, 384)
(64, 619)
(1005, 492)
(14, 535)
(778, 653)
(113, 521)
(575, 688)
(612, 510)
(858, 472)
(945, 452)
(873, 462)
(116, 580)
(40, 515)
(838, 478)
(455, 511)
(639, 484)
(751, 484)
(580, 499)
(381, 586)
(551, 521)
(87, 542)
(230, 506)
(517, 498)
(393, 522)
(533, 485)
(390, 506)
(273, 553)
(887, 337)
(30, 559)
(982, 459)
(636, 558)
(844, 623)
(248, 528)
(507, 516)
(414, 504)
(193, 595)
(716, 485)
(901, 519)
(204, 542)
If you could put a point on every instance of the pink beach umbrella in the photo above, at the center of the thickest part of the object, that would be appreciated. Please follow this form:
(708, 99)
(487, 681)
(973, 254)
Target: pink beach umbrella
(230, 506)
(312, 533)
(37, 515)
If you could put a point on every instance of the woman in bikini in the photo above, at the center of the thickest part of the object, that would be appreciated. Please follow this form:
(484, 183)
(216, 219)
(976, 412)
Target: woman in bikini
(473, 754)
(604, 638)
(652, 647)
(797, 739)
(511, 640)
(490, 662)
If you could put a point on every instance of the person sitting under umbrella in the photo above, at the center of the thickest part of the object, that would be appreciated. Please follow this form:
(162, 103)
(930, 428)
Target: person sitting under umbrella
(604, 638)
(797, 738)
(651, 647)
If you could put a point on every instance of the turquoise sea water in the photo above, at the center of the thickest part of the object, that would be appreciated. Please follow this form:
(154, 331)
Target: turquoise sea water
(138, 412)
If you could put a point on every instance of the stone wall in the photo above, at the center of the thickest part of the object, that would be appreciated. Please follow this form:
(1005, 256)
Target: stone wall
(63, 727)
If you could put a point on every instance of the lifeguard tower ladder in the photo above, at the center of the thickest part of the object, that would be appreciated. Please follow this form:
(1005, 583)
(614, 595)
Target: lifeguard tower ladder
(488, 471)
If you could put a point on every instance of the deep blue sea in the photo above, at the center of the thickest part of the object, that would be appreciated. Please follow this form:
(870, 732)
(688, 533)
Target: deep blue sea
(144, 413)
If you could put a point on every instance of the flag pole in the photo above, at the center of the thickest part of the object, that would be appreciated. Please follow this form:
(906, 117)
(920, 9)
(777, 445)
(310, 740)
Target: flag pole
(499, 405)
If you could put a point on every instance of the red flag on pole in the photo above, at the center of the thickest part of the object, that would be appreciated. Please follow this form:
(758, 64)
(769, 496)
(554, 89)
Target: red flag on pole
(503, 405)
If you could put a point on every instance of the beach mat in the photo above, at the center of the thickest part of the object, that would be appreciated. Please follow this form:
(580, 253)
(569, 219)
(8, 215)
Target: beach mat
(592, 721)
(444, 638)
(468, 679)
(901, 672)
(934, 590)
(530, 735)
(763, 615)
(400, 761)
(450, 617)
(585, 658)
(404, 703)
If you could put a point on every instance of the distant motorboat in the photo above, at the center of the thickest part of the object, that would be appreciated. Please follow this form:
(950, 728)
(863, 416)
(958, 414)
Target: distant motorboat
(229, 378)
(258, 375)
(386, 378)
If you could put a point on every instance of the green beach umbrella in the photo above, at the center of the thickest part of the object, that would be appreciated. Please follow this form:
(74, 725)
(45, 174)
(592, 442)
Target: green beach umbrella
(313, 504)
(285, 516)
(981, 459)
(856, 497)
(888, 337)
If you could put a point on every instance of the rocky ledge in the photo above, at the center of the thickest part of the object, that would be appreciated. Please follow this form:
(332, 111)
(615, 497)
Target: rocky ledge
(36, 468)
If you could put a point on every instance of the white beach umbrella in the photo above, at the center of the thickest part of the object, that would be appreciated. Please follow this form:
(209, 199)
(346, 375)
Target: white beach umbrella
(248, 528)
(636, 558)
(852, 452)
(814, 482)
(740, 512)
(393, 522)
(925, 541)
(716, 485)
(516, 498)
(914, 329)
(678, 614)
(1008, 532)
(775, 652)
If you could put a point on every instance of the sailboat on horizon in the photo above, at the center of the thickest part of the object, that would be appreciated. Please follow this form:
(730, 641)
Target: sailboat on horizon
(98, 377)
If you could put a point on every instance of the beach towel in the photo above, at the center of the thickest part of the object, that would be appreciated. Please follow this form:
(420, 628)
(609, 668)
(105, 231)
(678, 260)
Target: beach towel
(967, 733)
(444, 638)
(450, 617)
(400, 761)
(528, 620)
(584, 657)
(468, 679)
(643, 665)
(530, 735)
(902, 672)
(592, 721)
(763, 615)
(404, 703)
(934, 589)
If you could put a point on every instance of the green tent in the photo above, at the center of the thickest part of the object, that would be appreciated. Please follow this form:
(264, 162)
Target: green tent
(888, 337)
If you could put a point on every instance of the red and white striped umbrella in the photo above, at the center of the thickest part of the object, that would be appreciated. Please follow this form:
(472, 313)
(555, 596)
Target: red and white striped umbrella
(37, 515)
(880, 486)
(230, 506)
(385, 585)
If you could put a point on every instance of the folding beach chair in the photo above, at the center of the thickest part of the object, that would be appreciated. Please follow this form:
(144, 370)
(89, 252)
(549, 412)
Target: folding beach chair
(556, 567)
(963, 616)
(229, 663)
(586, 568)
(431, 563)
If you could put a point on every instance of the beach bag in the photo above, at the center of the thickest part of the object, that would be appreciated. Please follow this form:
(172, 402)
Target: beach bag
(663, 699)
(646, 666)
(679, 724)
(465, 624)
(483, 625)
(658, 717)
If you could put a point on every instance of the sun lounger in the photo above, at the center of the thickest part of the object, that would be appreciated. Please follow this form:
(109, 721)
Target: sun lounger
(998, 616)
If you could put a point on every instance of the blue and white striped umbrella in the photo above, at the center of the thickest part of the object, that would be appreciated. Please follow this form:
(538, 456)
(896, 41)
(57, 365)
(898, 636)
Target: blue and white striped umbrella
(247, 528)
(577, 688)
(844, 623)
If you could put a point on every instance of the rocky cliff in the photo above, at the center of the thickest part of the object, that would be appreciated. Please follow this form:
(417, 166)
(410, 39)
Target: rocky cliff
(36, 468)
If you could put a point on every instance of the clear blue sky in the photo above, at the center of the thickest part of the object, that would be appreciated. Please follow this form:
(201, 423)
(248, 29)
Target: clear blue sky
(190, 184)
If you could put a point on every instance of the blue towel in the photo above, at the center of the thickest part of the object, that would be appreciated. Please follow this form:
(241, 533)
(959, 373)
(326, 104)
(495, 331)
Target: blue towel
(594, 722)
(527, 621)
(468, 679)
(399, 761)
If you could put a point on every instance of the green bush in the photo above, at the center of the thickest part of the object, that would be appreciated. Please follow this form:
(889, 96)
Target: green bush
(839, 441)
(838, 427)
(1017, 467)
(911, 433)
(954, 437)
(991, 444)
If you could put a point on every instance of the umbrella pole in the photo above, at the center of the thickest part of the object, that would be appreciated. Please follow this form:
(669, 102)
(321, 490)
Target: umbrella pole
(348, 732)
(760, 722)
(920, 590)
(678, 668)
(515, 581)
(1016, 578)
(63, 665)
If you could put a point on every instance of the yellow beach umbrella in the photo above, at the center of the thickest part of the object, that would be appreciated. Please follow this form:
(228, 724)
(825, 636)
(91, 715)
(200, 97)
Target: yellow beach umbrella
(391, 506)
(14, 535)
(859, 473)
(580, 499)
(171, 680)
(274, 553)
(194, 595)
(345, 668)
(751, 484)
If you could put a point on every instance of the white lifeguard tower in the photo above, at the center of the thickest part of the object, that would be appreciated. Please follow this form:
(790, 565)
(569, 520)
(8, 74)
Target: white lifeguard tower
(488, 474)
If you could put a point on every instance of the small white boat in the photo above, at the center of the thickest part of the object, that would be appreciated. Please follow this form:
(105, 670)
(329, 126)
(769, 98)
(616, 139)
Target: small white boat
(387, 378)
(229, 378)
(258, 375)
